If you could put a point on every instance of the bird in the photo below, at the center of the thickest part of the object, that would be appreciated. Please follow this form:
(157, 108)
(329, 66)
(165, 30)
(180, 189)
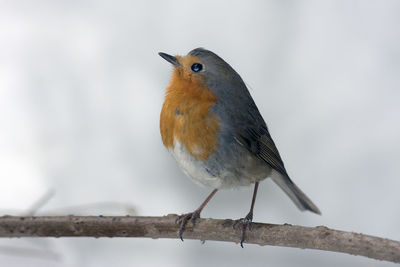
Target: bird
(211, 125)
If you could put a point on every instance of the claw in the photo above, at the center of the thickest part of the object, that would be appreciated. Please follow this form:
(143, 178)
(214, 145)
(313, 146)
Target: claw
(244, 223)
(183, 219)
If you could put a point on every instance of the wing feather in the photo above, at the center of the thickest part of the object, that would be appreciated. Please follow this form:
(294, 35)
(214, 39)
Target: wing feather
(259, 142)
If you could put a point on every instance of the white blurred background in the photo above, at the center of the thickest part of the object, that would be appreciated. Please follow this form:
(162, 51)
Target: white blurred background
(81, 88)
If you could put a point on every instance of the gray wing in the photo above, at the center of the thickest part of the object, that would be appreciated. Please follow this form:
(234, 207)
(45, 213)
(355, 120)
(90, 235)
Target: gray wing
(259, 142)
(241, 115)
(252, 133)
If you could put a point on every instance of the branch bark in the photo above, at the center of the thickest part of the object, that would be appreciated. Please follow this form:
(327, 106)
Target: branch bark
(319, 237)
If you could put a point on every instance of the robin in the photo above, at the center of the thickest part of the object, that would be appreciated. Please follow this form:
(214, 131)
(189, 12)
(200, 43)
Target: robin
(211, 125)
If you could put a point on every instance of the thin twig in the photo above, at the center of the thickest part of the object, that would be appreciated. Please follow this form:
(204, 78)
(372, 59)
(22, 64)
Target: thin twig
(30, 252)
(40, 203)
(319, 237)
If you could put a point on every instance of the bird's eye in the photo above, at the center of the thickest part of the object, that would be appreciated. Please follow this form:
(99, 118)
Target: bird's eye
(196, 67)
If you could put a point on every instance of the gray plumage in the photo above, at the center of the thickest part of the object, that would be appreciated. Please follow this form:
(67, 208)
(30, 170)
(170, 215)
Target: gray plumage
(246, 153)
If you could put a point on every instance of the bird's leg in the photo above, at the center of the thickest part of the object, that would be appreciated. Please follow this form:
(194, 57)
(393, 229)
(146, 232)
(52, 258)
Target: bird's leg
(245, 222)
(183, 219)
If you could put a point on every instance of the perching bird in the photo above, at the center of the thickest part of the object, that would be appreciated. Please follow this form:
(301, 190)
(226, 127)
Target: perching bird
(211, 125)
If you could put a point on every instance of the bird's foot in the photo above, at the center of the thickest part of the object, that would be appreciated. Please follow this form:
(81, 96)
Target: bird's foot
(183, 219)
(243, 224)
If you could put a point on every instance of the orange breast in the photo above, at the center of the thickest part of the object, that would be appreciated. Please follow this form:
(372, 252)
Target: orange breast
(185, 116)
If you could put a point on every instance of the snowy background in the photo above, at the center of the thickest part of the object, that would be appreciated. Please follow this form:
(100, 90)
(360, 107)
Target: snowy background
(81, 88)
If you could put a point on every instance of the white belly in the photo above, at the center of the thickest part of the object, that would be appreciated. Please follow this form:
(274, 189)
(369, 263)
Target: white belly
(226, 175)
(195, 169)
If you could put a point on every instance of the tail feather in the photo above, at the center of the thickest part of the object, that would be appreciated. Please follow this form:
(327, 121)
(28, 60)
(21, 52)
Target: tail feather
(295, 194)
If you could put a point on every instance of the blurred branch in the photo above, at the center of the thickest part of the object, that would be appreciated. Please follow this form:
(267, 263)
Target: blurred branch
(93, 208)
(319, 237)
(40, 203)
(33, 253)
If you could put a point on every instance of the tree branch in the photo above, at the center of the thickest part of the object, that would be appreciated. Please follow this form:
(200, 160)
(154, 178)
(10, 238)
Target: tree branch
(319, 237)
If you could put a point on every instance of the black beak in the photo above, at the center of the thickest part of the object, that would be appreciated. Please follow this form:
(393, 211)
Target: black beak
(170, 59)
